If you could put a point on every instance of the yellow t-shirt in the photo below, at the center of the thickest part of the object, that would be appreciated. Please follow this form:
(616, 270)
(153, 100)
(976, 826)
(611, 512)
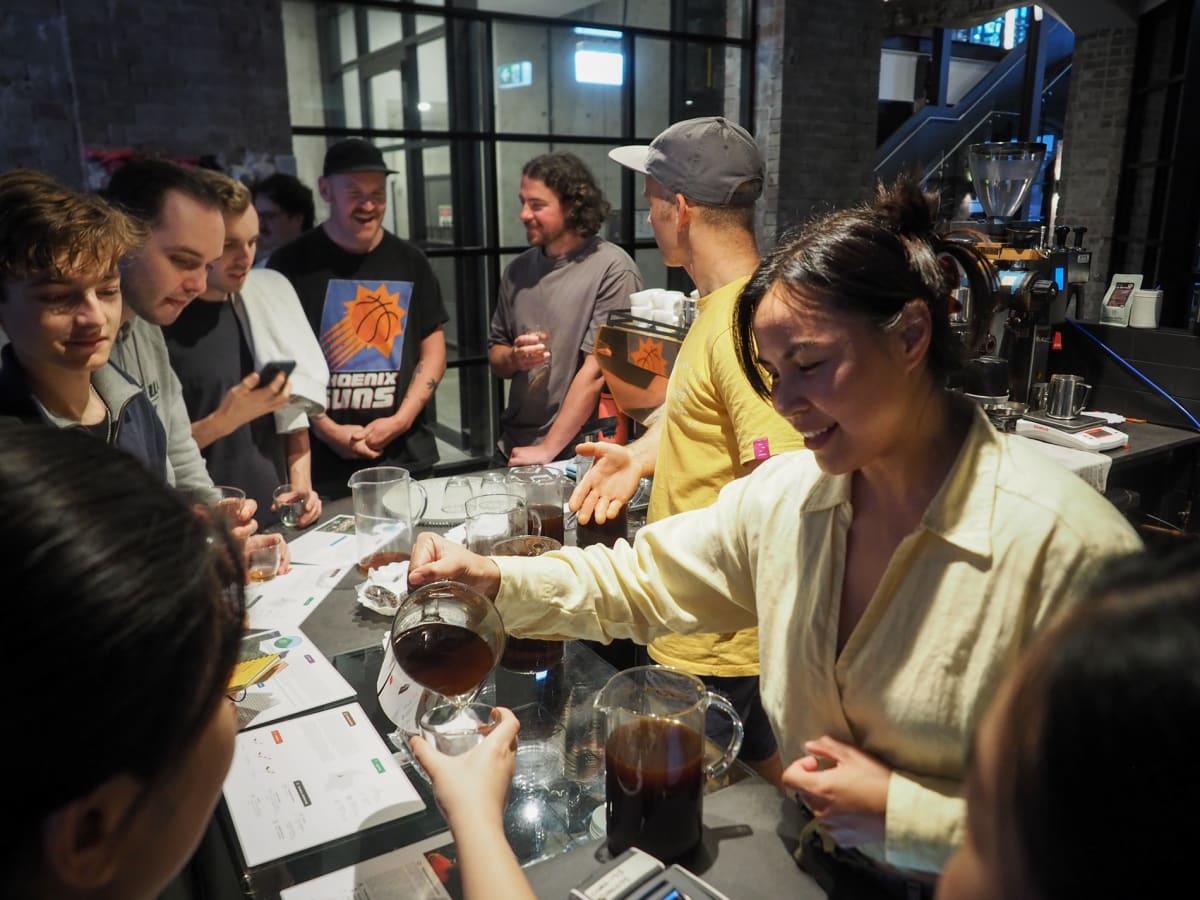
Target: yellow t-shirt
(715, 428)
(1009, 542)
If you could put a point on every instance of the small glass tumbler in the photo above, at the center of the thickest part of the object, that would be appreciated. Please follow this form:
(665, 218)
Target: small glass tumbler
(262, 563)
(229, 504)
(289, 503)
(455, 729)
(459, 489)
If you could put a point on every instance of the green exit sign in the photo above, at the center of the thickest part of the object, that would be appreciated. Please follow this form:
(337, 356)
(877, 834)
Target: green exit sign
(515, 74)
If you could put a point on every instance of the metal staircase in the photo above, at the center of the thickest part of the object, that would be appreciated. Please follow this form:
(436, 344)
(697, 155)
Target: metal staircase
(931, 140)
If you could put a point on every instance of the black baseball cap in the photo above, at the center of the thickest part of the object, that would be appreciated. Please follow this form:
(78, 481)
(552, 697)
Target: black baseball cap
(354, 155)
(709, 160)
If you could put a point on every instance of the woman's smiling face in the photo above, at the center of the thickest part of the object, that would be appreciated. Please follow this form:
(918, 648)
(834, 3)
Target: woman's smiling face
(840, 380)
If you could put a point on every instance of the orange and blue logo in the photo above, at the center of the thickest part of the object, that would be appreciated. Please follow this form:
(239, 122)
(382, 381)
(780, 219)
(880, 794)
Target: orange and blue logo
(362, 336)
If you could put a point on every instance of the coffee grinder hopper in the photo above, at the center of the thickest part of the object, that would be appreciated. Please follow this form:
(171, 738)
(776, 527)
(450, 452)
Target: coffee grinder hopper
(1002, 174)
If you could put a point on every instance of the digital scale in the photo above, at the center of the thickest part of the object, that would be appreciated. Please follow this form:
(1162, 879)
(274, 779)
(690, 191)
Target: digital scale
(1080, 433)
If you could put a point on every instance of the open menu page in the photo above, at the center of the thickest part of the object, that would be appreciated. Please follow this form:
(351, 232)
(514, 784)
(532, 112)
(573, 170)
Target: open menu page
(301, 783)
(304, 680)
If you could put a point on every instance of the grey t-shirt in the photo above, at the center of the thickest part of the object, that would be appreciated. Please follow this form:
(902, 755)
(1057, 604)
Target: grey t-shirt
(571, 296)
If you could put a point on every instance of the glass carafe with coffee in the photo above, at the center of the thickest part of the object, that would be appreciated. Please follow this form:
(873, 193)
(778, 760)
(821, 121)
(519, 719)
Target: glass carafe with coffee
(654, 758)
(505, 525)
(447, 637)
(387, 504)
(544, 491)
(529, 655)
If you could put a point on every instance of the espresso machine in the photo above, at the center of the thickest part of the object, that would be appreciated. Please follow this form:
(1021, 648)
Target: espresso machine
(1034, 280)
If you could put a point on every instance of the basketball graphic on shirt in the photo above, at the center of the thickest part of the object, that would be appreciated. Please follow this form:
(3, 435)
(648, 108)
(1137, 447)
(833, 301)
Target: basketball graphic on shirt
(362, 317)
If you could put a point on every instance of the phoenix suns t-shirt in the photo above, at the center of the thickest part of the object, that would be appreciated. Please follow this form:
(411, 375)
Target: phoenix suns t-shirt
(370, 312)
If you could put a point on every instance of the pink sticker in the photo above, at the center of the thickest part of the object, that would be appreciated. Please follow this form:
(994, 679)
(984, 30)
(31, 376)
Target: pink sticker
(762, 449)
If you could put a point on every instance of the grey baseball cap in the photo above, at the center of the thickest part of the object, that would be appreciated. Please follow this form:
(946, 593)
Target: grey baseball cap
(705, 159)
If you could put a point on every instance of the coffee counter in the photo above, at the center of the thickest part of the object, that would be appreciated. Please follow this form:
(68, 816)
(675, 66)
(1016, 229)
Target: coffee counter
(558, 784)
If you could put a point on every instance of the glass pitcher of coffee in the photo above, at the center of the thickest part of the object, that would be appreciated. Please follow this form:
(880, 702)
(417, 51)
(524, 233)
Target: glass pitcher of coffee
(543, 489)
(529, 655)
(385, 513)
(654, 758)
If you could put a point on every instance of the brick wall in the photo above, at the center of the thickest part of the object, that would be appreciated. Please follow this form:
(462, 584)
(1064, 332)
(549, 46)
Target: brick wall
(817, 86)
(1094, 141)
(1083, 16)
(37, 105)
(177, 77)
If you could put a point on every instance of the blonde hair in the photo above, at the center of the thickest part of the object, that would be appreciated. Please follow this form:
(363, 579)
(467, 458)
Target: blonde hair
(49, 229)
(235, 197)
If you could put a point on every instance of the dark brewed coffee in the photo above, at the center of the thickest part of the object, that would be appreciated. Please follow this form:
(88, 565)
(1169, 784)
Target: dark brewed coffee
(551, 518)
(654, 784)
(448, 659)
(530, 654)
(607, 534)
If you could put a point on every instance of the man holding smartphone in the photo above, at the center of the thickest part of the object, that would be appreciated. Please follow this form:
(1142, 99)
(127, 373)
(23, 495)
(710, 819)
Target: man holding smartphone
(241, 418)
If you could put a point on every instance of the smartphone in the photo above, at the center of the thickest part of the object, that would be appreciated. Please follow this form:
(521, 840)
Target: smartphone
(272, 369)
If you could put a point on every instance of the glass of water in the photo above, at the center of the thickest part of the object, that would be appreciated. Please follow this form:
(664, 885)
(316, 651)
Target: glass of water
(289, 502)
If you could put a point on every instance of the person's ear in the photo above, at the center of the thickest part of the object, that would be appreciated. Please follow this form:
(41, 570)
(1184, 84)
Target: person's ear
(914, 332)
(84, 840)
(684, 213)
(324, 189)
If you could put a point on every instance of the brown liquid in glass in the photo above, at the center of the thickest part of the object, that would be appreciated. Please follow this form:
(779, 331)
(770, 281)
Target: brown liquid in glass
(654, 784)
(607, 534)
(528, 654)
(382, 558)
(551, 518)
(448, 659)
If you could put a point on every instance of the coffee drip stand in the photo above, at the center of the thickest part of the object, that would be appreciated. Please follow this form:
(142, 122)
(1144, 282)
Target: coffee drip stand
(1036, 282)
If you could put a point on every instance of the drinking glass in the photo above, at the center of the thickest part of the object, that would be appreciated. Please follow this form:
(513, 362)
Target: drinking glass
(494, 482)
(230, 504)
(458, 490)
(289, 502)
(262, 563)
(455, 729)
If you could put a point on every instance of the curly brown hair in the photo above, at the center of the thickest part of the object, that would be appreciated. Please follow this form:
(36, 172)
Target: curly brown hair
(49, 229)
(584, 206)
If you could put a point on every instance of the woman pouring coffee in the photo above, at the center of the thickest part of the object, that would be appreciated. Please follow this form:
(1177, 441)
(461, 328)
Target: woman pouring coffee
(896, 567)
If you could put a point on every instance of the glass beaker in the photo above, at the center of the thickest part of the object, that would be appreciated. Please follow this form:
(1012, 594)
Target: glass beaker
(383, 515)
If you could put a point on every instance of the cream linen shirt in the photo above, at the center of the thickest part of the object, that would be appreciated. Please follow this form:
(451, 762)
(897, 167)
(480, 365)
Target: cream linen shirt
(1009, 540)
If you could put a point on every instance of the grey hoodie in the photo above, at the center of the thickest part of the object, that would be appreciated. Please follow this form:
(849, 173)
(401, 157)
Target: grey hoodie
(141, 351)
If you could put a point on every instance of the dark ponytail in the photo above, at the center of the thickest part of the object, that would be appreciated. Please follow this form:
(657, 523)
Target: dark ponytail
(870, 261)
